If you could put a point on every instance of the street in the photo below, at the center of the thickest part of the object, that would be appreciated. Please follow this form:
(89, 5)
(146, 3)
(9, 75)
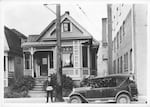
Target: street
(43, 100)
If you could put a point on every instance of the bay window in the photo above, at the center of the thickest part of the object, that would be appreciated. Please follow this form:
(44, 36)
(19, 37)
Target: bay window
(67, 56)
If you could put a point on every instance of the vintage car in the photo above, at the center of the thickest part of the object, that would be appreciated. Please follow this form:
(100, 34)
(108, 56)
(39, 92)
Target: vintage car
(113, 88)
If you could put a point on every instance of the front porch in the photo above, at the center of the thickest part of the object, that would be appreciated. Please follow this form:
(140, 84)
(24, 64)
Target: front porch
(42, 62)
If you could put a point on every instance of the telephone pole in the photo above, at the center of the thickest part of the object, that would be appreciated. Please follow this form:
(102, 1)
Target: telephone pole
(59, 64)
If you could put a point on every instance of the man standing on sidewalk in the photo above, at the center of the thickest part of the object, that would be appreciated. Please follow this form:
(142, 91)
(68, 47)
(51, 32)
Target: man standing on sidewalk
(49, 88)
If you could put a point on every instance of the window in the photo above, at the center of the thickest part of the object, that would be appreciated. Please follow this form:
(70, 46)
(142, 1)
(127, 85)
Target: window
(130, 59)
(115, 44)
(66, 26)
(104, 82)
(121, 64)
(11, 64)
(123, 28)
(126, 62)
(117, 8)
(120, 35)
(117, 40)
(51, 60)
(67, 56)
(119, 80)
(114, 65)
(27, 61)
(118, 66)
(4, 63)
(84, 56)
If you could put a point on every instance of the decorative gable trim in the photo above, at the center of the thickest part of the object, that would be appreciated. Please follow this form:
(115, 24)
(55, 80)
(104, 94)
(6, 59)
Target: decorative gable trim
(63, 17)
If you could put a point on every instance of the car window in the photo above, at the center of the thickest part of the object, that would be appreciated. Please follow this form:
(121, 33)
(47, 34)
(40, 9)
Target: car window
(104, 82)
(119, 80)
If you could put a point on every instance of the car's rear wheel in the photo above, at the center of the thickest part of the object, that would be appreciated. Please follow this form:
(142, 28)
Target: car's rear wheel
(123, 98)
(75, 99)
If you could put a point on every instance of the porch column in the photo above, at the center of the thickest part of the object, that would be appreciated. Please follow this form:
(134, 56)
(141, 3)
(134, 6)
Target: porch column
(32, 63)
(89, 60)
(6, 70)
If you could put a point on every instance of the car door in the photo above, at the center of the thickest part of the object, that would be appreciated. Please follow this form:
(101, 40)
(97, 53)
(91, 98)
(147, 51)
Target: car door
(109, 88)
(95, 91)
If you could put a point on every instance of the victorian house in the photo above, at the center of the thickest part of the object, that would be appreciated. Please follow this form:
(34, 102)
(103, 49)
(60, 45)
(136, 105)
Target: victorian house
(78, 48)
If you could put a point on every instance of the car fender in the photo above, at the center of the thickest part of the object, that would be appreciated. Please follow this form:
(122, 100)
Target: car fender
(122, 92)
(78, 94)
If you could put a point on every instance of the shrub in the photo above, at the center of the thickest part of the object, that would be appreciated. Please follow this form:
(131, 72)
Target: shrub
(19, 88)
(14, 94)
(23, 84)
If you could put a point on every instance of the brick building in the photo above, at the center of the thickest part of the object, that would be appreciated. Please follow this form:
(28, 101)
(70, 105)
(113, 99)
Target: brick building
(129, 41)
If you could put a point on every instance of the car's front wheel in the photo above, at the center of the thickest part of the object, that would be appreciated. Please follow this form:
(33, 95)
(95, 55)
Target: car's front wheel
(123, 98)
(75, 99)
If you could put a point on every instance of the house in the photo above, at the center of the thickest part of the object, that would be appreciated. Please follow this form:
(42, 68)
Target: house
(129, 41)
(102, 61)
(13, 54)
(78, 49)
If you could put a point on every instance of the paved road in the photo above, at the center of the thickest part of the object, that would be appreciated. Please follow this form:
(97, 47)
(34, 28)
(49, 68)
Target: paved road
(43, 100)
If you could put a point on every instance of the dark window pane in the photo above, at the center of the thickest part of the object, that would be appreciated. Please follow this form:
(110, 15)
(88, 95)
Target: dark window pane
(51, 60)
(4, 63)
(84, 56)
(27, 61)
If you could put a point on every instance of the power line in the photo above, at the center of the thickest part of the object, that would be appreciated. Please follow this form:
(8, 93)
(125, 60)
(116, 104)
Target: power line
(50, 8)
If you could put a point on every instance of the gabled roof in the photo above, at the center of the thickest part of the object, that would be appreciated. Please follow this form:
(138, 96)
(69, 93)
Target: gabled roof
(13, 41)
(32, 38)
(63, 17)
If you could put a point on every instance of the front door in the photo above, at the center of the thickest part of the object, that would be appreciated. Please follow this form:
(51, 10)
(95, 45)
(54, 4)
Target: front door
(44, 65)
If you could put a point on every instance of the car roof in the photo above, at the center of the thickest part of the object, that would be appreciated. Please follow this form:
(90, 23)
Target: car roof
(113, 75)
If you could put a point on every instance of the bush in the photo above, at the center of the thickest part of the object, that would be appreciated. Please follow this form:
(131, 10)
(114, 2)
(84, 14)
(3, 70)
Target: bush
(23, 84)
(19, 88)
(14, 94)
(67, 84)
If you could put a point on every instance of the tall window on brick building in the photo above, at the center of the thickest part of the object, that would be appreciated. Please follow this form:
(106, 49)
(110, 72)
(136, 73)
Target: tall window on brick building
(121, 35)
(130, 59)
(114, 65)
(118, 66)
(84, 56)
(126, 62)
(121, 64)
(117, 40)
(123, 27)
(4, 63)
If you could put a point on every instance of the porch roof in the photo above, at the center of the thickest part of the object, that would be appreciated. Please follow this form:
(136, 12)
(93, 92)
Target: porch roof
(36, 44)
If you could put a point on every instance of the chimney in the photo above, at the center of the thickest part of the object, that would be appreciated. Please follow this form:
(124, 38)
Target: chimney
(67, 12)
(104, 32)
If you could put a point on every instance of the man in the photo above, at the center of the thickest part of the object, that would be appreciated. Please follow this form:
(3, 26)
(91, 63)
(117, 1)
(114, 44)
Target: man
(49, 88)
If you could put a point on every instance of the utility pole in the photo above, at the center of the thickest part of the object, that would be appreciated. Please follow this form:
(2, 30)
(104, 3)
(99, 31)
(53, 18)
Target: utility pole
(59, 64)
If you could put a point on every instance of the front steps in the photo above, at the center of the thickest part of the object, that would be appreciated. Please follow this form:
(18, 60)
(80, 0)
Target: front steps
(38, 90)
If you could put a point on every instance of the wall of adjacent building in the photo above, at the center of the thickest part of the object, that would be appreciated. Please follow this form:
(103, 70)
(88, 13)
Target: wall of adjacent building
(102, 61)
(134, 20)
(140, 13)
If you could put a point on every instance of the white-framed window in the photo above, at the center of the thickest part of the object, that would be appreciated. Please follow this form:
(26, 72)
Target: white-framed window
(67, 57)
(67, 26)
(27, 61)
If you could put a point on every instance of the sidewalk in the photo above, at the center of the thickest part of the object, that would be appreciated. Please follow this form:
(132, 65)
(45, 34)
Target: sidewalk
(141, 100)
(30, 100)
